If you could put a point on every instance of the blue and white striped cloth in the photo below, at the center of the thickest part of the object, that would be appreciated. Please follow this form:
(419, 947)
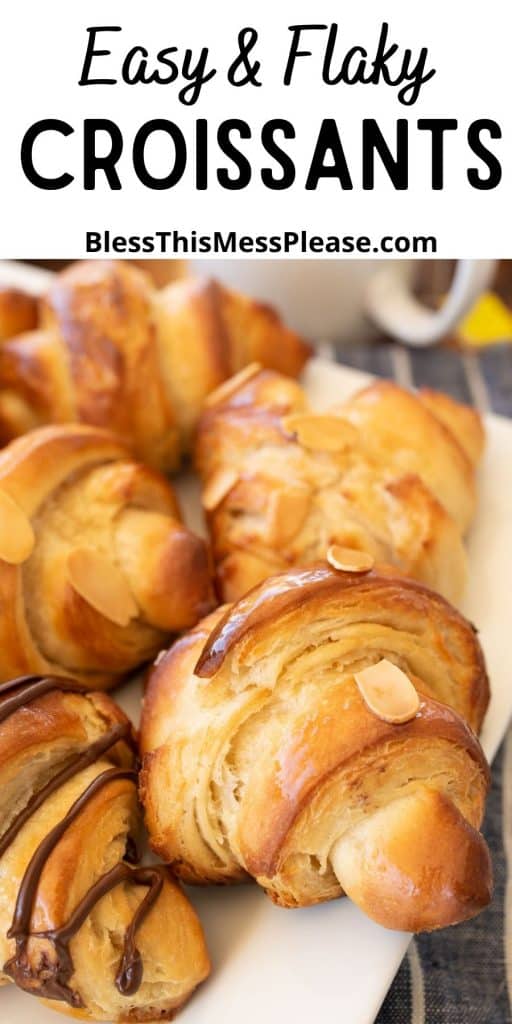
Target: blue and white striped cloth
(461, 975)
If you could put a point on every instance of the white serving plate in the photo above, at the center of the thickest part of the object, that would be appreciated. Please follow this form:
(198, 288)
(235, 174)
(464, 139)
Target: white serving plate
(328, 962)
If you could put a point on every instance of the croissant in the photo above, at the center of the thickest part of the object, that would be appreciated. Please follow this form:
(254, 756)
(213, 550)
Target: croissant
(114, 352)
(271, 750)
(18, 312)
(388, 472)
(96, 567)
(80, 922)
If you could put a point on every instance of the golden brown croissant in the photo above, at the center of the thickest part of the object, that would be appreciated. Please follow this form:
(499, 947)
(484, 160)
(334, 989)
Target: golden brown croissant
(81, 925)
(264, 755)
(96, 567)
(384, 473)
(114, 352)
(18, 312)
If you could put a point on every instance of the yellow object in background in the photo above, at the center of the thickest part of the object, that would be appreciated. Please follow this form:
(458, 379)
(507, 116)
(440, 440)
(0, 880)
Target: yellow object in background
(489, 321)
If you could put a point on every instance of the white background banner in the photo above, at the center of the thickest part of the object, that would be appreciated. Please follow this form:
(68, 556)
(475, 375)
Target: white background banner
(221, 168)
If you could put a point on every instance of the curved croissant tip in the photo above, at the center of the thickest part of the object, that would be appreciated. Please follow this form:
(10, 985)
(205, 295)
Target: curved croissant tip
(102, 585)
(416, 864)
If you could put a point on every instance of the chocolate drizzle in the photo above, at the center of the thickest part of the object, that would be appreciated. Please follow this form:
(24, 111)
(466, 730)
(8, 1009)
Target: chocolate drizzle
(89, 756)
(26, 689)
(51, 980)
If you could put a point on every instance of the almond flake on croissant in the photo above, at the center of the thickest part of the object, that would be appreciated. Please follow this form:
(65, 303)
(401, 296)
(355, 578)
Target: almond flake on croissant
(114, 352)
(81, 924)
(388, 472)
(96, 567)
(263, 757)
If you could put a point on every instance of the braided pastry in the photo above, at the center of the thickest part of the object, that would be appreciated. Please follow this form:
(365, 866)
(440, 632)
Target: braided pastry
(114, 352)
(271, 749)
(96, 567)
(80, 922)
(384, 473)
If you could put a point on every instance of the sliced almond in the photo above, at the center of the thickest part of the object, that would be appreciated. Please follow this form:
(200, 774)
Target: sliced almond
(218, 487)
(320, 433)
(102, 585)
(286, 513)
(349, 559)
(388, 692)
(16, 534)
(228, 387)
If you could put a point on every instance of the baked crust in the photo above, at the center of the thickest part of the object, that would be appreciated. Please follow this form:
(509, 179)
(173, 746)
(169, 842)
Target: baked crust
(78, 488)
(261, 756)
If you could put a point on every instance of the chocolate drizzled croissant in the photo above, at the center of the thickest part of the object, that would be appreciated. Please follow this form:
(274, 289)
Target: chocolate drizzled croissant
(114, 352)
(80, 922)
(263, 756)
(96, 567)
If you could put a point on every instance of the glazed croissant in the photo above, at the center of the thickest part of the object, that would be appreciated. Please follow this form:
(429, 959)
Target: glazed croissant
(96, 567)
(81, 925)
(18, 312)
(263, 757)
(114, 352)
(388, 472)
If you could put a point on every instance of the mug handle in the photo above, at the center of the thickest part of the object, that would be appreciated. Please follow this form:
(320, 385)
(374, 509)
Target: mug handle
(391, 306)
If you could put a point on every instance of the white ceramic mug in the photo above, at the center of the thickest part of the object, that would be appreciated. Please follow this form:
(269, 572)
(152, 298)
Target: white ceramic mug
(339, 300)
